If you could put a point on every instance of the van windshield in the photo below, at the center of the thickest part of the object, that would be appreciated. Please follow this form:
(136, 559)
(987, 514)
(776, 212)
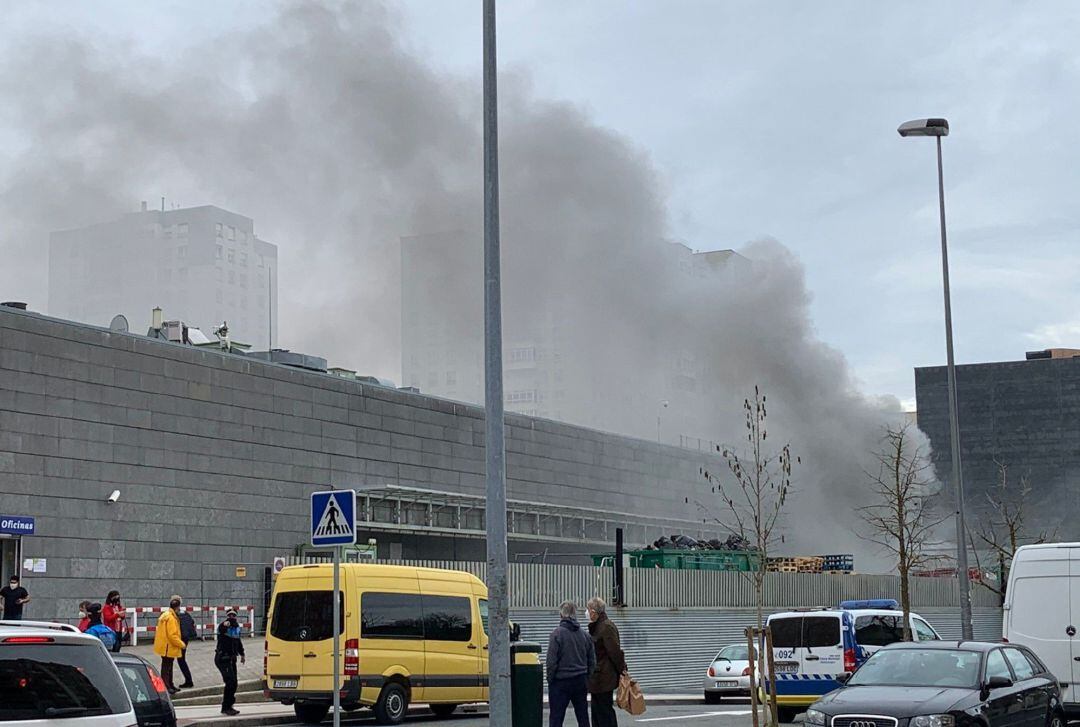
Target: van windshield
(794, 632)
(305, 616)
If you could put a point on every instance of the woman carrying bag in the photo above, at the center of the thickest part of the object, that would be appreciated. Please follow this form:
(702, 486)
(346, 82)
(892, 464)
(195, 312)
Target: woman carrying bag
(610, 664)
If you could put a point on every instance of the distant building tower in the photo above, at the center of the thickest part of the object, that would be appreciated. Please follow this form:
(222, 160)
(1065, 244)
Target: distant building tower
(203, 265)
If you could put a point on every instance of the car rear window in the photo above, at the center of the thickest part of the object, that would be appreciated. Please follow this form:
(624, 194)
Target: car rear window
(137, 683)
(58, 681)
(305, 616)
(805, 631)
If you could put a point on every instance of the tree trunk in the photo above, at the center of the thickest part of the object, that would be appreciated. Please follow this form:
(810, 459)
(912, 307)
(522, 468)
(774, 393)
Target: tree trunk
(905, 600)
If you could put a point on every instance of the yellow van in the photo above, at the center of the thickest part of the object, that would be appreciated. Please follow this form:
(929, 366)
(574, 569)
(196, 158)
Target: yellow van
(407, 635)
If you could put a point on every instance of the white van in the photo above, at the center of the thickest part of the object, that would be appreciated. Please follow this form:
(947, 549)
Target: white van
(1042, 612)
(811, 647)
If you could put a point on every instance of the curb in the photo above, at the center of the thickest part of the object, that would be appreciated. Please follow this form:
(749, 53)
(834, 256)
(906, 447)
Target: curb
(272, 719)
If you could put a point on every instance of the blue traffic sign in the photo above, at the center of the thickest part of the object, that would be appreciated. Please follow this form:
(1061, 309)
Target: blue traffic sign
(16, 525)
(333, 517)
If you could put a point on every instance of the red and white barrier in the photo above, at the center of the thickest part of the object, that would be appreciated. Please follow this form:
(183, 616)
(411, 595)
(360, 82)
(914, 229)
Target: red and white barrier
(212, 616)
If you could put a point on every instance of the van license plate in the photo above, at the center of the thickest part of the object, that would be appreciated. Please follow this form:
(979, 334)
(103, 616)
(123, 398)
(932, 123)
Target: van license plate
(286, 683)
(786, 668)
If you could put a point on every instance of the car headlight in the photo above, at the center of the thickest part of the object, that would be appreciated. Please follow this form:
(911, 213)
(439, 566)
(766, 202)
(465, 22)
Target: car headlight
(814, 716)
(933, 720)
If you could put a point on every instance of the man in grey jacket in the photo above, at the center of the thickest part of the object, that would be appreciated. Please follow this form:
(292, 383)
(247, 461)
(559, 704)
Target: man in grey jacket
(571, 658)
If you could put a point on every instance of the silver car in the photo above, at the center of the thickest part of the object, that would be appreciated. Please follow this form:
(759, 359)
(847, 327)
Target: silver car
(729, 674)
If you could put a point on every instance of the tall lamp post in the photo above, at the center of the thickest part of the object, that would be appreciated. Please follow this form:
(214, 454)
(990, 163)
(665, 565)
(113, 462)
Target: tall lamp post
(938, 128)
(494, 446)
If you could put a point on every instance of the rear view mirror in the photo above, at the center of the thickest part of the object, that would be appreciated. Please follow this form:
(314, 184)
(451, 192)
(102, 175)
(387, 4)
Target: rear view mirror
(999, 683)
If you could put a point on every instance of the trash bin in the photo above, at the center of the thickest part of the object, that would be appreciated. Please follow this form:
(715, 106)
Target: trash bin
(526, 685)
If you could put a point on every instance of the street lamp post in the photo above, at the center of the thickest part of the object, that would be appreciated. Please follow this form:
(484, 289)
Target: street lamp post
(494, 445)
(659, 411)
(938, 128)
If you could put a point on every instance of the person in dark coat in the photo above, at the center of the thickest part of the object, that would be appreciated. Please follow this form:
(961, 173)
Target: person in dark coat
(610, 664)
(229, 646)
(571, 658)
(188, 633)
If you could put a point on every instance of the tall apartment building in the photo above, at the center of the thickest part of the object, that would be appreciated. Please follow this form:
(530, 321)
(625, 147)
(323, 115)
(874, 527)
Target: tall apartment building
(544, 373)
(203, 265)
(1021, 414)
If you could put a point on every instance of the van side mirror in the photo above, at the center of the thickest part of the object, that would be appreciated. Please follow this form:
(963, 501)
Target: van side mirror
(515, 632)
(842, 678)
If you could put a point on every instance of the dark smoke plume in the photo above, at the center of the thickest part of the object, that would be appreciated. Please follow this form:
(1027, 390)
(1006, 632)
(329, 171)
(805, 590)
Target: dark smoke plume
(322, 127)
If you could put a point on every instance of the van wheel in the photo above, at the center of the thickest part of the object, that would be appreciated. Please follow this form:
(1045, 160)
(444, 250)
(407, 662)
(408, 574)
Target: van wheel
(442, 711)
(786, 714)
(393, 704)
(311, 713)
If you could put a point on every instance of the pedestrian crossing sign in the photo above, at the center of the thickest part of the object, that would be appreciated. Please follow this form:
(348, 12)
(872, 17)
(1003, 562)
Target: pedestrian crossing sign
(333, 517)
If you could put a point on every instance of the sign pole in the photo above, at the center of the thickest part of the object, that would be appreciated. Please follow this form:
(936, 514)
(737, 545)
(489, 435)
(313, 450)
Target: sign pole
(337, 636)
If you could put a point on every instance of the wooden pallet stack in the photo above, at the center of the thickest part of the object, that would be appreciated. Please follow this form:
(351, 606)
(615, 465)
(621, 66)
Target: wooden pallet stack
(802, 564)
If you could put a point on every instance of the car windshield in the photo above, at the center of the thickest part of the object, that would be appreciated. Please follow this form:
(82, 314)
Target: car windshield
(737, 652)
(919, 668)
(58, 681)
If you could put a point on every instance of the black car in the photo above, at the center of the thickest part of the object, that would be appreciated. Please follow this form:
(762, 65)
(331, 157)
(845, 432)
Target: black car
(147, 690)
(944, 684)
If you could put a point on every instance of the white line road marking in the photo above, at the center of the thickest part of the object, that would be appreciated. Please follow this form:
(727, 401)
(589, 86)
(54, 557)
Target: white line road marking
(735, 713)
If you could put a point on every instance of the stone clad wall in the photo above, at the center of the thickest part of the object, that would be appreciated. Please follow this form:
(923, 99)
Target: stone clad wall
(215, 455)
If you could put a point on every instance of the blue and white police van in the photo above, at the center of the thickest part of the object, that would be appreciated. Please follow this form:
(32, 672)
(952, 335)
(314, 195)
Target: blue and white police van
(811, 647)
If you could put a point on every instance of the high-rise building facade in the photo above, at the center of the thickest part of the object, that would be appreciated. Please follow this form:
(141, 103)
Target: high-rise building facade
(546, 371)
(1024, 415)
(203, 265)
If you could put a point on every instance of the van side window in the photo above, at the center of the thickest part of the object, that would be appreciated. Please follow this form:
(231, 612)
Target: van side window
(879, 630)
(924, 632)
(391, 616)
(447, 618)
(484, 614)
(305, 616)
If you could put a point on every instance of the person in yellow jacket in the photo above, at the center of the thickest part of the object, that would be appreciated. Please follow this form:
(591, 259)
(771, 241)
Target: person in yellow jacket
(167, 642)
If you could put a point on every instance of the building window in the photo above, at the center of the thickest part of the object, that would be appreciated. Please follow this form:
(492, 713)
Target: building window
(182, 274)
(243, 280)
(232, 256)
(217, 273)
(243, 259)
(451, 378)
(217, 229)
(232, 278)
(217, 252)
(521, 397)
(181, 252)
(232, 232)
(182, 229)
(518, 355)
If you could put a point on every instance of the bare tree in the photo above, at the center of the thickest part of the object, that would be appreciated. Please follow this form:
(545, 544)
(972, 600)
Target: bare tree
(1001, 529)
(899, 519)
(754, 502)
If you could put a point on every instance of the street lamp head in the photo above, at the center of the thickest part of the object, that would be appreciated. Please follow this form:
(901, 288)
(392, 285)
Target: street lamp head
(925, 127)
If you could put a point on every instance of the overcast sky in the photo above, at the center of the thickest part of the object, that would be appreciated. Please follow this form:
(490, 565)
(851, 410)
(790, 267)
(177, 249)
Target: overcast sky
(779, 119)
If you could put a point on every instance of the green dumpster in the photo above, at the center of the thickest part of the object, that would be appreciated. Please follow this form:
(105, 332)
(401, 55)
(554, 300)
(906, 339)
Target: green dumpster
(526, 685)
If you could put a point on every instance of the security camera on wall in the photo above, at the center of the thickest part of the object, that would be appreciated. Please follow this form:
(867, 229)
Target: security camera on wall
(114, 496)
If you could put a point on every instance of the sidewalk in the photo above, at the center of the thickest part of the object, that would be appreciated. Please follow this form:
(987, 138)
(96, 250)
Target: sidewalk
(200, 659)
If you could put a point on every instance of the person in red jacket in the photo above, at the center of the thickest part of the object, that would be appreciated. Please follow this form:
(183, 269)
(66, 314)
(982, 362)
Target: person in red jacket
(113, 616)
(84, 616)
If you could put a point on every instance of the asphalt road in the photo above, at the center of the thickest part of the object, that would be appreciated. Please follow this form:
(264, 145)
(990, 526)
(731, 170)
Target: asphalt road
(733, 715)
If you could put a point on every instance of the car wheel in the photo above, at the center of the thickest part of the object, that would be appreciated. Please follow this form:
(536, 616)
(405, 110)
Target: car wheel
(712, 698)
(311, 713)
(1056, 719)
(786, 714)
(393, 704)
(442, 711)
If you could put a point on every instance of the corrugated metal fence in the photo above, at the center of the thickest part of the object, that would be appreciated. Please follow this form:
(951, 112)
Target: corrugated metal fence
(668, 651)
(535, 585)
